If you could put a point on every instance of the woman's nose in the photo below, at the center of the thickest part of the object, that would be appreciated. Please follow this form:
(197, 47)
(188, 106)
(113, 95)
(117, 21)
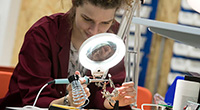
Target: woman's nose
(94, 29)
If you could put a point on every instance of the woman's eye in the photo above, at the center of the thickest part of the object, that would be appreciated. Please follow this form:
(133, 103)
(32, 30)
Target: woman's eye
(106, 22)
(86, 19)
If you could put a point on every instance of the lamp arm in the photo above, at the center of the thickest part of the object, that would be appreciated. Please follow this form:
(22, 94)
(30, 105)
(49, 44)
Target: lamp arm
(124, 32)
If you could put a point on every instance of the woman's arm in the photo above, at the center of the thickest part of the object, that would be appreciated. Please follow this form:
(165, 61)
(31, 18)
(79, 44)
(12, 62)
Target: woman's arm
(35, 69)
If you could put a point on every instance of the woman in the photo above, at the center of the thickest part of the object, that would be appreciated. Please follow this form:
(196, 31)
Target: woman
(50, 51)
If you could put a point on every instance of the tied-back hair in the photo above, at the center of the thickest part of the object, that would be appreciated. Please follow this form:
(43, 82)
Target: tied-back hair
(105, 4)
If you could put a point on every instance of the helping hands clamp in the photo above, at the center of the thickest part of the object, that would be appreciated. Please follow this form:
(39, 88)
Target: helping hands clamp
(107, 94)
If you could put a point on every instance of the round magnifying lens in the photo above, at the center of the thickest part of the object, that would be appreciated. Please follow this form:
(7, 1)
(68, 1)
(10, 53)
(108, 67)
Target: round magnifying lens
(101, 52)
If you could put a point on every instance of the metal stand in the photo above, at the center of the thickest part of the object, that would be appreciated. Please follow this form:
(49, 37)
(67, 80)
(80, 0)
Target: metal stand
(124, 32)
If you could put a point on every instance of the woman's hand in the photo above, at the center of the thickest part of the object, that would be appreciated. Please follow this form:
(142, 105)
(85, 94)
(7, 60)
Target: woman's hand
(69, 96)
(126, 95)
(69, 89)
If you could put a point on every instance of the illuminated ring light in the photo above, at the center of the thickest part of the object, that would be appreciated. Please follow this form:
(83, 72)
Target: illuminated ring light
(95, 41)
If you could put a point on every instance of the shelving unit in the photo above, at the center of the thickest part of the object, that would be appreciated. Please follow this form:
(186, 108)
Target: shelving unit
(186, 58)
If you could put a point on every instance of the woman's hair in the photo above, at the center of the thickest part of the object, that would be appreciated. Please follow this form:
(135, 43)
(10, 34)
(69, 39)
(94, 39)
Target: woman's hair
(106, 4)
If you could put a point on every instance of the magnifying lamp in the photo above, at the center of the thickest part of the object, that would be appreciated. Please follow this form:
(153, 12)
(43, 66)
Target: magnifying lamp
(101, 52)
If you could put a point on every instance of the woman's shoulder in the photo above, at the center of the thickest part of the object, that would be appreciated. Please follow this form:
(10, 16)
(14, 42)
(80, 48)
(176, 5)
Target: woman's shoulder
(50, 26)
(53, 28)
(54, 20)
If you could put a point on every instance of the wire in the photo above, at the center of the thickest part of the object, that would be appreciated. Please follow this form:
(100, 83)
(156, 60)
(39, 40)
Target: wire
(163, 107)
(155, 105)
(40, 92)
(77, 88)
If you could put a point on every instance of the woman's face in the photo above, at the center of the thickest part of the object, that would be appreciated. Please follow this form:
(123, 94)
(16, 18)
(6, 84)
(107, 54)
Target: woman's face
(91, 20)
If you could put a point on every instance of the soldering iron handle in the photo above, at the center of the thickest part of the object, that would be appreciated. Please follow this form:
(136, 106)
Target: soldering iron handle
(66, 81)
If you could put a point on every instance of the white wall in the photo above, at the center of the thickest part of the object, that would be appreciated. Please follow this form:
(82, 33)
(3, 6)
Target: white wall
(9, 11)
